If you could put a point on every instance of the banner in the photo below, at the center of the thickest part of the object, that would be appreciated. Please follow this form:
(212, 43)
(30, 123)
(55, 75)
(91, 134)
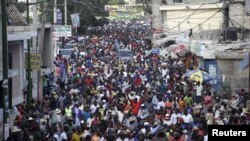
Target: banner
(35, 61)
(75, 20)
(62, 31)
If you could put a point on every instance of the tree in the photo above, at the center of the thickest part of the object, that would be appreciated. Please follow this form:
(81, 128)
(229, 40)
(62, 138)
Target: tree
(147, 5)
(88, 10)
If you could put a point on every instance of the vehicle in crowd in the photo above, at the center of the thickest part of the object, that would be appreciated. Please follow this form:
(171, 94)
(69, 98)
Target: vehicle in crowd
(66, 52)
(125, 54)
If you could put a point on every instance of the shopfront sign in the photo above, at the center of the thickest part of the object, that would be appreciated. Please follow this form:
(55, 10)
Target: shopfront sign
(62, 31)
(35, 61)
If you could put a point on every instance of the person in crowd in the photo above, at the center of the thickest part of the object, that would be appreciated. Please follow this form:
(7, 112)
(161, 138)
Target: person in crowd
(98, 96)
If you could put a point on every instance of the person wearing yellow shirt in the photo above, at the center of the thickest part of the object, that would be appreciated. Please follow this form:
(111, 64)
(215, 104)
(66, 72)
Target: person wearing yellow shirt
(77, 135)
(94, 91)
(68, 111)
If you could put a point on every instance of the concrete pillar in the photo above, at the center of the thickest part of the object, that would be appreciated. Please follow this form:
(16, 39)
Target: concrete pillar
(156, 17)
(1, 66)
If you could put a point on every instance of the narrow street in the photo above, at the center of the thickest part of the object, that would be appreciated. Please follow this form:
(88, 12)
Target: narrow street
(124, 77)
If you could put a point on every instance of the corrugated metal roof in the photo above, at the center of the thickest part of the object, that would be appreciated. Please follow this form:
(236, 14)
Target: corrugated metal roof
(15, 17)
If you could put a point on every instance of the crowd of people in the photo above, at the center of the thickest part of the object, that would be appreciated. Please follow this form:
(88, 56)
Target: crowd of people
(100, 97)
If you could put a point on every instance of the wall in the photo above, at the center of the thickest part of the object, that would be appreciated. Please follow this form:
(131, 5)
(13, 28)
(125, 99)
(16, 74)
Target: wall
(193, 1)
(181, 19)
(236, 11)
(17, 50)
(233, 78)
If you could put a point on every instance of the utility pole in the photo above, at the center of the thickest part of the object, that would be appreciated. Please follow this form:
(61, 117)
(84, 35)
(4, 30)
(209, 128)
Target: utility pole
(243, 20)
(55, 12)
(225, 19)
(5, 96)
(29, 87)
(65, 10)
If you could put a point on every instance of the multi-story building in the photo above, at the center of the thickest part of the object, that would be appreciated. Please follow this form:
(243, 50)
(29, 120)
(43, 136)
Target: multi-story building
(213, 35)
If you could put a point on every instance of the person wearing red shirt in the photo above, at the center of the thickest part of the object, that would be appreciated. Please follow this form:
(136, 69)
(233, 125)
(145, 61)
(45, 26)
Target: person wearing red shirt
(137, 80)
(136, 106)
(89, 81)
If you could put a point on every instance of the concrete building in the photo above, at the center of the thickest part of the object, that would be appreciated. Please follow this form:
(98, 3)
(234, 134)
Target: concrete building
(212, 33)
(125, 11)
(130, 2)
(17, 34)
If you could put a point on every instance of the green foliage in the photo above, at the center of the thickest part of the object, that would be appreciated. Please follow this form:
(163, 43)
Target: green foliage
(147, 5)
(21, 6)
(88, 10)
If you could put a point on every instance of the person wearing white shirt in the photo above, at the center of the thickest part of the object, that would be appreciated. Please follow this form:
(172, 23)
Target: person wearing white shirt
(199, 89)
(56, 137)
(155, 101)
(160, 104)
(175, 116)
(93, 107)
(164, 72)
(167, 120)
(63, 135)
(89, 122)
(143, 112)
(187, 118)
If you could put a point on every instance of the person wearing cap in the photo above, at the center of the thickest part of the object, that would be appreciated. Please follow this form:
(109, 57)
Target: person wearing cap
(143, 112)
(167, 120)
(14, 134)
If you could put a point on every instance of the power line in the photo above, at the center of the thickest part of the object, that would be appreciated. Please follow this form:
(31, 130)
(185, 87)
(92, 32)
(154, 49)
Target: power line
(187, 17)
(231, 20)
(197, 24)
(191, 14)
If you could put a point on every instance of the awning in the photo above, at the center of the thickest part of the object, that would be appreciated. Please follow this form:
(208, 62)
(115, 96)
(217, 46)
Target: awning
(11, 74)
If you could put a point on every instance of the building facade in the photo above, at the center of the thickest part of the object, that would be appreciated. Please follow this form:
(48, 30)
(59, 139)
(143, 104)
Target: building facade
(216, 35)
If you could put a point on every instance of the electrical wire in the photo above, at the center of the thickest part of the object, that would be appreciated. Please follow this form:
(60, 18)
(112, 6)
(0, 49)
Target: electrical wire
(231, 20)
(185, 15)
(191, 15)
(197, 24)
(186, 18)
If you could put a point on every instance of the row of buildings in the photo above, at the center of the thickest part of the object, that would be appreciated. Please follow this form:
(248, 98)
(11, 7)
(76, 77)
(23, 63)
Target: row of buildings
(213, 35)
(19, 33)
